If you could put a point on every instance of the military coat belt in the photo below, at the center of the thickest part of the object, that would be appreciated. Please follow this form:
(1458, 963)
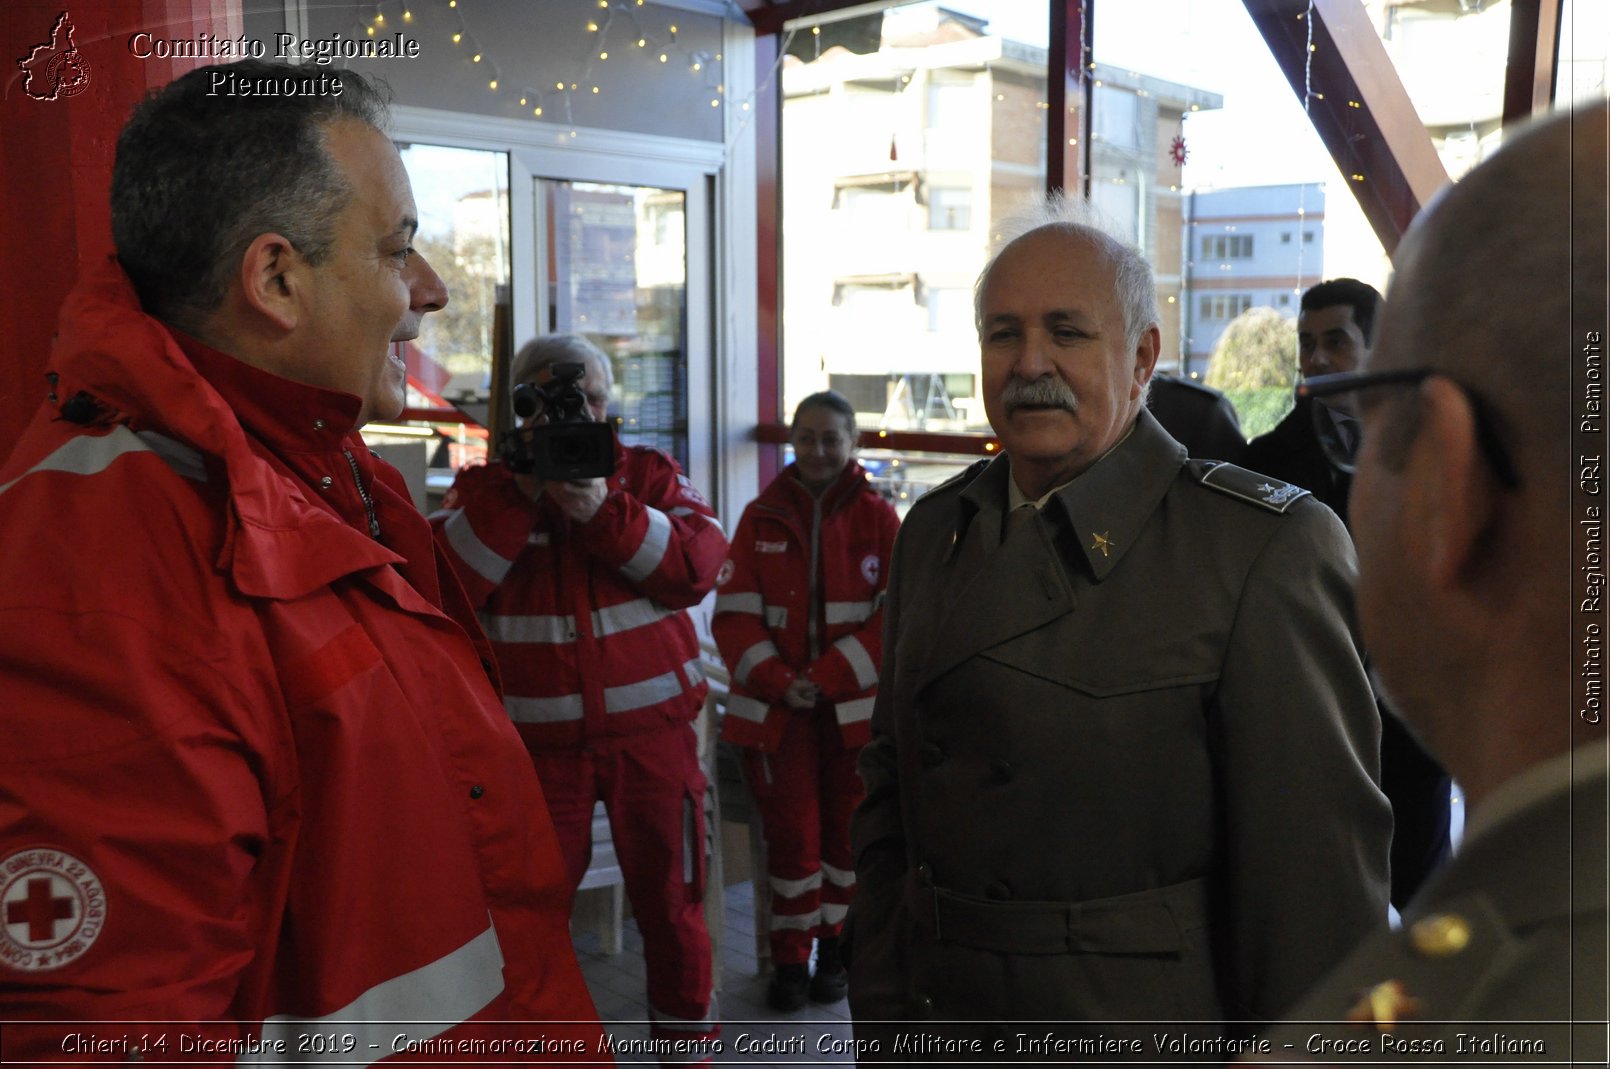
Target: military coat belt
(1124, 762)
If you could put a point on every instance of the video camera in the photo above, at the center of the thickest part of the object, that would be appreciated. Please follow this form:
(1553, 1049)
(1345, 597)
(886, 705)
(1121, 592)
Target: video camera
(570, 445)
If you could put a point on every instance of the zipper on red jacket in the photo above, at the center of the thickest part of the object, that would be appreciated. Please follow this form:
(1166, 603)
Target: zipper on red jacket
(813, 627)
(368, 502)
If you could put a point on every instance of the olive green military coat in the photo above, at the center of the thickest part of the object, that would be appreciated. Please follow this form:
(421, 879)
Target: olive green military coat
(1124, 763)
(1502, 954)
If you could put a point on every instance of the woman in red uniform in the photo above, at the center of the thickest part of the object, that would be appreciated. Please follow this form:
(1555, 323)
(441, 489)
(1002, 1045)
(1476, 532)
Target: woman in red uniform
(799, 619)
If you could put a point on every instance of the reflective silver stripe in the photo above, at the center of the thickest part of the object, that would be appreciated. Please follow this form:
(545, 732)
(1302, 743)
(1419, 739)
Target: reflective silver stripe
(833, 912)
(549, 629)
(433, 998)
(745, 708)
(749, 603)
(471, 550)
(652, 691)
(838, 877)
(776, 617)
(796, 922)
(544, 710)
(683, 512)
(853, 712)
(627, 615)
(848, 612)
(652, 551)
(764, 650)
(866, 673)
(89, 455)
(694, 670)
(795, 888)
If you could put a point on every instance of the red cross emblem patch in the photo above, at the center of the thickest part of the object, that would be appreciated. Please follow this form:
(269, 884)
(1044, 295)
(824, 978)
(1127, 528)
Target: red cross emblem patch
(52, 909)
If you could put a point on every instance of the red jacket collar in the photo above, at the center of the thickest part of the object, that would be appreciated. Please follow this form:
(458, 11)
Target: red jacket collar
(279, 543)
(787, 492)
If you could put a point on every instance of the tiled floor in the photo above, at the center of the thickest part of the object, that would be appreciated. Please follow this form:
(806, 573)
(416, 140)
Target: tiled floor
(751, 1034)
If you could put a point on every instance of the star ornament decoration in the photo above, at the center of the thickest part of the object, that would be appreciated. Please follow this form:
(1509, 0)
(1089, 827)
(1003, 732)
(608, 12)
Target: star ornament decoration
(1177, 151)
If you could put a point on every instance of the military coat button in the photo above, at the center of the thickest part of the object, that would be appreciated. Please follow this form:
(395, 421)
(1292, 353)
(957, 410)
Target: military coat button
(932, 755)
(1004, 771)
(923, 1005)
(477, 790)
(925, 875)
(999, 890)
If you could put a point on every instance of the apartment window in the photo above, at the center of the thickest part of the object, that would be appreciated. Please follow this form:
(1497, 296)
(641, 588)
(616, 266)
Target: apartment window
(950, 311)
(1117, 117)
(950, 208)
(1227, 247)
(1225, 305)
(1285, 237)
(1308, 237)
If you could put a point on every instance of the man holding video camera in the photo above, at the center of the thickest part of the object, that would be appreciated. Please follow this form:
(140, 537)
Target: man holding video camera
(581, 554)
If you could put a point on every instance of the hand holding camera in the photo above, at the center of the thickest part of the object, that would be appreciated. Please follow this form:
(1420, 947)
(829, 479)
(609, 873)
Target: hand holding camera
(557, 441)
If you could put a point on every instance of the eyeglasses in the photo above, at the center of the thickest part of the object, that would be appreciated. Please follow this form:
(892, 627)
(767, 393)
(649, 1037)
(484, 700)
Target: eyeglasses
(1339, 451)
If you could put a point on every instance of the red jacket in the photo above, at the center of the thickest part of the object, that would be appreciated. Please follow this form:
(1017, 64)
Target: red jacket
(254, 767)
(588, 622)
(803, 595)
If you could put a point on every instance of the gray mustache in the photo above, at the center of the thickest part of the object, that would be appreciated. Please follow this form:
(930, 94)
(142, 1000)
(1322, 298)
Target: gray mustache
(1040, 392)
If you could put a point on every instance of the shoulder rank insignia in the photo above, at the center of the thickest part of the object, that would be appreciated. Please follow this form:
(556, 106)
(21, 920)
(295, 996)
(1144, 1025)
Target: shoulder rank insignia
(1272, 494)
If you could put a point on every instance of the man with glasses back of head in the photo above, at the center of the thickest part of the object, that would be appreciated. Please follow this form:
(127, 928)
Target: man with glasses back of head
(1463, 517)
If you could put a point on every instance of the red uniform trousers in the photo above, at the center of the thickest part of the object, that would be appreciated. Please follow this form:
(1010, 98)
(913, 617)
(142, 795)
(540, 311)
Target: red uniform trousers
(806, 792)
(654, 791)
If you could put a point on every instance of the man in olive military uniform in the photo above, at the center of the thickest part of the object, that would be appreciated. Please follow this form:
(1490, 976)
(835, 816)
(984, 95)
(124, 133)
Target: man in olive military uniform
(1463, 516)
(1124, 753)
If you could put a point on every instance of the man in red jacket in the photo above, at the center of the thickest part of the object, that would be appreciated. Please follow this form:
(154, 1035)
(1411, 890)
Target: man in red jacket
(256, 774)
(582, 586)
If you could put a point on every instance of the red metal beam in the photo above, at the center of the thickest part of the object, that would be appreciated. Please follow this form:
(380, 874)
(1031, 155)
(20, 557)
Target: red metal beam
(1068, 139)
(768, 235)
(1529, 73)
(1358, 107)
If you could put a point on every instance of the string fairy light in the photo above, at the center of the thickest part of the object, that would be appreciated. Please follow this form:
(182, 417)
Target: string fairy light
(610, 15)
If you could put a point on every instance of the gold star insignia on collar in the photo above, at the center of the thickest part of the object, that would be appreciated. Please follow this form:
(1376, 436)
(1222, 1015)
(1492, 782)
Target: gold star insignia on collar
(1103, 542)
(1384, 1005)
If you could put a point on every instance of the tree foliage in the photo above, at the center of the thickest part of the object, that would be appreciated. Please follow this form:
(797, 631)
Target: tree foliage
(1258, 350)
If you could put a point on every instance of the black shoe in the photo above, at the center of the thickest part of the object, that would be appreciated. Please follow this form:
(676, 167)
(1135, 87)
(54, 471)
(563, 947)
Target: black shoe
(788, 987)
(831, 983)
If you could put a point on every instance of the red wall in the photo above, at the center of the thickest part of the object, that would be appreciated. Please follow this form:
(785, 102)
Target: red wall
(56, 164)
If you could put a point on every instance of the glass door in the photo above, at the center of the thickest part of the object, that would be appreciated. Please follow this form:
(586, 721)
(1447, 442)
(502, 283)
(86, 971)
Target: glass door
(615, 268)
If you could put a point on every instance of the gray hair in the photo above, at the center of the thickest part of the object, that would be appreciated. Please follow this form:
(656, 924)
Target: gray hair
(1077, 218)
(550, 349)
(199, 177)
